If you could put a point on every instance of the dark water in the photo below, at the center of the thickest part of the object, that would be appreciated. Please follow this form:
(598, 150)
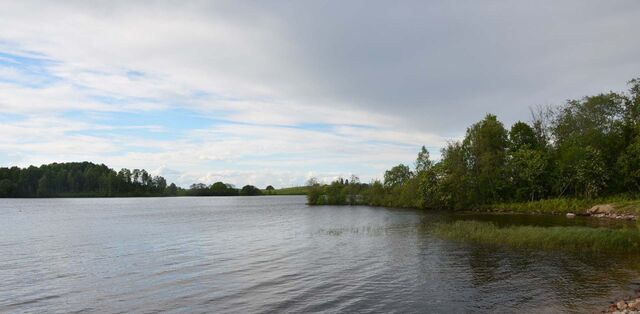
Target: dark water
(275, 254)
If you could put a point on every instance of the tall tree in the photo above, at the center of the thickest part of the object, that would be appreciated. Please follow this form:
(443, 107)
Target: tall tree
(486, 143)
(397, 175)
(423, 162)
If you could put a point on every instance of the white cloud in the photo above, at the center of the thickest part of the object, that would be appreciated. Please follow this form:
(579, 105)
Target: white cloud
(301, 87)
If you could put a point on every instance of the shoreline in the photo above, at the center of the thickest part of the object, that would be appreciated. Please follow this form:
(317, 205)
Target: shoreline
(625, 210)
(627, 305)
(608, 208)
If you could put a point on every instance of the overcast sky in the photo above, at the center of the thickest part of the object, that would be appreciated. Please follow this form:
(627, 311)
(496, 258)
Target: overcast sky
(272, 92)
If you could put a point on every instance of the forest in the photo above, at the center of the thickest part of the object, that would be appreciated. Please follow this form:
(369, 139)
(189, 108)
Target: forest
(584, 149)
(86, 179)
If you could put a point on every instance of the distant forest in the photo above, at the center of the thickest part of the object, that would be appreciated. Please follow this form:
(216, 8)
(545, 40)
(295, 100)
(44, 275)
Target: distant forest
(587, 148)
(85, 179)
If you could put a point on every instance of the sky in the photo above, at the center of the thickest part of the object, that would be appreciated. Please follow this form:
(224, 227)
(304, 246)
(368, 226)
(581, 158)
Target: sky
(276, 92)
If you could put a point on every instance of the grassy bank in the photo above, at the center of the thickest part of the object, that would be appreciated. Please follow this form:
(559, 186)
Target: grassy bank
(622, 205)
(583, 239)
(296, 190)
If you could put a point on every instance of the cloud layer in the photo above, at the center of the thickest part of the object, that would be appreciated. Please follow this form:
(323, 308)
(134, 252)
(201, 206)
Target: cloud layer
(275, 92)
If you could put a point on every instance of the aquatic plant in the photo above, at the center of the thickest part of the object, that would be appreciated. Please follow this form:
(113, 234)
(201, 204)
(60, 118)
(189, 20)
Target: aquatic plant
(569, 238)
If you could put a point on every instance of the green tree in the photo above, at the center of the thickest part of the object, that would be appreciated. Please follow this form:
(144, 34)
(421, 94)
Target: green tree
(591, 173)
(430, 184)
(78, 179)
(529, 172)
(336, 193)
(397, 175)
(522, 136)
(454, 184)
(315, 192)
(172, 190)
(43, 186)
(270, 190)
(222, 189)
(486, 143)
(596, 122)
(250, 190)
(7, 188)
(423, 162)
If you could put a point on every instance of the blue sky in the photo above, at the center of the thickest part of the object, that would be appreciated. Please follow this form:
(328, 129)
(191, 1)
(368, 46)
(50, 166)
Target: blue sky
(188, 137)
(264, 93)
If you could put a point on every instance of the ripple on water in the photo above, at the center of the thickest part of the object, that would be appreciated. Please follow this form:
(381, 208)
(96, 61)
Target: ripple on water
(275, 254)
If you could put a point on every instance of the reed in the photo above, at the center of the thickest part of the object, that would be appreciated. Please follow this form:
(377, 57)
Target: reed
(572, 238)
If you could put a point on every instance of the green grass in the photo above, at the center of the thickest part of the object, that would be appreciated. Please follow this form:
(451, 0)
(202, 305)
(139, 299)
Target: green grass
(627, 207)
(621, 204)
(572, 238)
(548, 206)
(297, 190)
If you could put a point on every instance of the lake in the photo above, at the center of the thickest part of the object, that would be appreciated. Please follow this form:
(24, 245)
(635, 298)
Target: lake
(276, 254)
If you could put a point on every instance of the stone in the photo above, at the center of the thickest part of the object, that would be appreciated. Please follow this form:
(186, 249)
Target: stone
(601, 209)
(612, 308)
(571, 215)
(621, 305)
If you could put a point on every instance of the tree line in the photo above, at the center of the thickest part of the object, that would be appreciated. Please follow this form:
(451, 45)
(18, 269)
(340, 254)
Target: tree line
(585, 148)
(86, 179)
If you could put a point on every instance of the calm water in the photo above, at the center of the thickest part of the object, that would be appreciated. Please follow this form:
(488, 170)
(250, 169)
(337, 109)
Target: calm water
(275, 254)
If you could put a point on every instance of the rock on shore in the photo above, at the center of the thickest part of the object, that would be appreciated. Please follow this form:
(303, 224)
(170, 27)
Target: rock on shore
(627, 307)
(608, 211)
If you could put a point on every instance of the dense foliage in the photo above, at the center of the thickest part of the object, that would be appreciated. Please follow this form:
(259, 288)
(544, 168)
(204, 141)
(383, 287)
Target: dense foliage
(80, 179)
(585, 149)
(85, 179)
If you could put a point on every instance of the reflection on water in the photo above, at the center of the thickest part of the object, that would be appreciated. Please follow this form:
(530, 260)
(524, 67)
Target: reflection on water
(275, 254)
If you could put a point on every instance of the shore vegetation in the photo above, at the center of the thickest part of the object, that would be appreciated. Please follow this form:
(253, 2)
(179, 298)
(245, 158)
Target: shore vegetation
(568, 238)
(566, 159)
(86, 179)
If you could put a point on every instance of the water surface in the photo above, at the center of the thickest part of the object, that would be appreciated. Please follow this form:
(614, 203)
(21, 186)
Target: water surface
(275, 254)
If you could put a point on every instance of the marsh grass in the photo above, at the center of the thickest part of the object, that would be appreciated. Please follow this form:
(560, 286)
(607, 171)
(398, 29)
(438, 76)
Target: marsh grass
(371, 230)
(572, 238)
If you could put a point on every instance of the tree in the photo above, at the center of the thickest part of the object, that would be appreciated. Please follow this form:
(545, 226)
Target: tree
(454, 182)
(125, 175)
(270, 189)
(486, 143)
(222, 189)
(585, 148)
(145, 178)
(397, 175)
(522, 136)
(250, 190)
(159, 184)
(529, 173)
(7, 188)
(423, 162)
(198, 189)
(76, 179)
(136, 175)
(315, 192)
(172, 190)
(429, 186)
(43, 186)
(595, 121)
(629, 165)
(591, 173)
(336, 193)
